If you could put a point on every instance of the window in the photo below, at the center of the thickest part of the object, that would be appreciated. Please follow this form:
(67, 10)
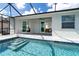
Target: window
(42, 26)
(24, 26)
(68, 21)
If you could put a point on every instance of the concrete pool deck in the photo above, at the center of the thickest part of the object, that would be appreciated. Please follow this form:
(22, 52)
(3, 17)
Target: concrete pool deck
(39, 37)
(4, 37)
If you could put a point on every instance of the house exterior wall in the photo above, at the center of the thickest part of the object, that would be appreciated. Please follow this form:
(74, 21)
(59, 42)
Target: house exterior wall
(56, 23)
(58, 32)
(12, 26)
(35, 26)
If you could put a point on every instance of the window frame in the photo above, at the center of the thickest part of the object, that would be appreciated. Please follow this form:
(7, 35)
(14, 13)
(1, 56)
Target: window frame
(64, 22)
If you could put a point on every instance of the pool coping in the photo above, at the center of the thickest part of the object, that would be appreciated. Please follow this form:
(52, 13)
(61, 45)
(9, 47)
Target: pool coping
(38, 37)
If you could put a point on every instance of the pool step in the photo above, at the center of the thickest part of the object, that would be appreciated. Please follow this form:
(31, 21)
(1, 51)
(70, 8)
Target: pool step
(18, 40)
(17, 43)
(16, 46)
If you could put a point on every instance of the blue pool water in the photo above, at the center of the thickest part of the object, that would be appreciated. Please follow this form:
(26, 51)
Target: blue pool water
(39, 48)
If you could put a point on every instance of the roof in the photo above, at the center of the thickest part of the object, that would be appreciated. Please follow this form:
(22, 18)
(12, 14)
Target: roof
(51, 12)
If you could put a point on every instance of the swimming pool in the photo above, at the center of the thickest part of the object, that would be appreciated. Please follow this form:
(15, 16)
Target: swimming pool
(39, 48)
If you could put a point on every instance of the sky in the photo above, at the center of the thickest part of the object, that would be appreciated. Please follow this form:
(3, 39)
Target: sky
(25, 8)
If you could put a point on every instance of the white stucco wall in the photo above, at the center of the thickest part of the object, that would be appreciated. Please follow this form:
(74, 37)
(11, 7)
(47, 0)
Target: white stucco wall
(35, 26)
(58, 33)
(12, 25)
